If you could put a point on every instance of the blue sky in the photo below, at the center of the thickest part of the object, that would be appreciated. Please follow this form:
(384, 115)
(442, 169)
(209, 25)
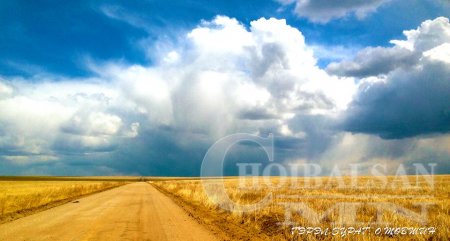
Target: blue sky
(56, 37)
(145, 87)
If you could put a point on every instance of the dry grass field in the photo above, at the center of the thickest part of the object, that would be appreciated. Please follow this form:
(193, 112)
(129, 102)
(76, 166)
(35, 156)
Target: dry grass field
(377, 204)
(22, 195)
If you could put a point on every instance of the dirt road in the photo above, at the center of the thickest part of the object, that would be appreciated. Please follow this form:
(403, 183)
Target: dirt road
(132, 212)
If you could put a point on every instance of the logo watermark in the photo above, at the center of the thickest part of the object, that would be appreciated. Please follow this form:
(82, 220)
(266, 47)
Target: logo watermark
(294, 178)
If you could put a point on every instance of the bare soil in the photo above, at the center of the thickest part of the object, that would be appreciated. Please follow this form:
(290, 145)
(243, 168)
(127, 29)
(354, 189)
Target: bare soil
(135, 211)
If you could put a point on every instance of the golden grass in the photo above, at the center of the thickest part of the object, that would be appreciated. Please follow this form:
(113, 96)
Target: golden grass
(322, 198)
(19, 196)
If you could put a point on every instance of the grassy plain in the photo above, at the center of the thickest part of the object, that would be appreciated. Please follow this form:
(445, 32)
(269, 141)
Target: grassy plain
(23, 195)
(403, 196)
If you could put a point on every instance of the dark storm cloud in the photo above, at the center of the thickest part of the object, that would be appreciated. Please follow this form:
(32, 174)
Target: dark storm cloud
(323, 11)
(405, 89)
(68, 145)
(319, 132)
(409, 103)
(162, 152)
(255, 114)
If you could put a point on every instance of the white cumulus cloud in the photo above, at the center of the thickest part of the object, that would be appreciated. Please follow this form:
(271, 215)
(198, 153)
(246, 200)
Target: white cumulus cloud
(221, 77)
(419, 42)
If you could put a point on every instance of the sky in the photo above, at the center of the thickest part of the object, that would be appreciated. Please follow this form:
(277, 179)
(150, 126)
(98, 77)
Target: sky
(146, 87)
